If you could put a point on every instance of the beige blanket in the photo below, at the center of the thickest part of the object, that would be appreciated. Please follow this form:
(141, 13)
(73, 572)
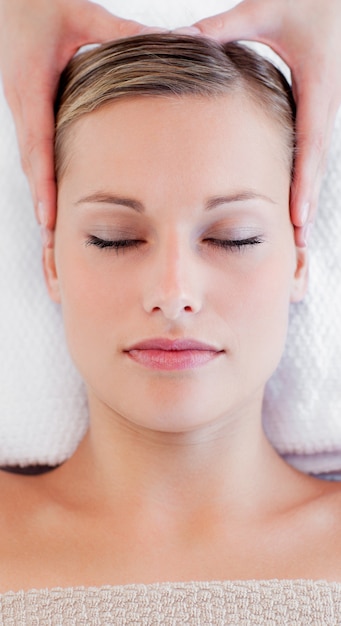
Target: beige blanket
(248, 603)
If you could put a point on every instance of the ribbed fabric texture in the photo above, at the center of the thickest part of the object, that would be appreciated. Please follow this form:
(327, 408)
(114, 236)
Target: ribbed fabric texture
(248, 603)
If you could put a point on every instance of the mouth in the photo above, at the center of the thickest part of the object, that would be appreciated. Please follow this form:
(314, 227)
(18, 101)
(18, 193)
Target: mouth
(167, 354)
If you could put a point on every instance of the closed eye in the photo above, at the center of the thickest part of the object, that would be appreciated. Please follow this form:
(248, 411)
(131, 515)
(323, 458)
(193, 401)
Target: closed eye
(117, 245)
(235, 244)
(123, 244)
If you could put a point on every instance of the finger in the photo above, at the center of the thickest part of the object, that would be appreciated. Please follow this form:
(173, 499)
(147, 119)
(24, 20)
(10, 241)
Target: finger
(248, 20)
(47, 237)
(314, 124)
(14, 103)
(37, 144)
(299, 236)
(99, 25)
(31, 107)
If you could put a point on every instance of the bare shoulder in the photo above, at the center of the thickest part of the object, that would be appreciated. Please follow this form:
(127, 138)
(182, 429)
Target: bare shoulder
(324, 529)
(332, 502)
(21, 497)
(330, 492)
(327, 498)
(29, 528)
(17, 491)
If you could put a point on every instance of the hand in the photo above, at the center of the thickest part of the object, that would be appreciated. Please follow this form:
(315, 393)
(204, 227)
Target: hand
(37, 39)
(306, 34)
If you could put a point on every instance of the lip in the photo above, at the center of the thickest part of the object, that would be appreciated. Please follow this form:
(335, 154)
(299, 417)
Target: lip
(163, 343)
(172, 354)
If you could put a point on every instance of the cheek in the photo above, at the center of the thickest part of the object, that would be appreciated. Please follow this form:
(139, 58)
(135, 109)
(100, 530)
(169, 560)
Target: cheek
(94, 302)
(259, 316)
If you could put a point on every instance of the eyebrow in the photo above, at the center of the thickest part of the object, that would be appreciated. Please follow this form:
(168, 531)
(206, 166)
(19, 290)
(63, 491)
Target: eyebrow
(136, 205)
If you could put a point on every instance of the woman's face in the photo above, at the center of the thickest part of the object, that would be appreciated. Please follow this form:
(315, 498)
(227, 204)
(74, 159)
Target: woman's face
(177, 176)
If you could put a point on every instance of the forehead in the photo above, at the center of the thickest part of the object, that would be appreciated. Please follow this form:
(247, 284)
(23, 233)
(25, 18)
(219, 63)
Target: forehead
(171, 141)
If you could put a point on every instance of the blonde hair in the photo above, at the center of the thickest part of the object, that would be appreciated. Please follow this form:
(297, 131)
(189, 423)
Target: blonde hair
(168, 65)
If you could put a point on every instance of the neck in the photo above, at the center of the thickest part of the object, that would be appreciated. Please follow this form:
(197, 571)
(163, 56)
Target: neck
(226, 465)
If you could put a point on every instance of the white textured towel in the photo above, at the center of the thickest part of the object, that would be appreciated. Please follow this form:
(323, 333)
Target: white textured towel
(42, 402)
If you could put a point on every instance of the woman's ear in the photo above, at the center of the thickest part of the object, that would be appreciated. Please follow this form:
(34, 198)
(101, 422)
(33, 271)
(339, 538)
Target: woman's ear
(300, 279)
(50, 273)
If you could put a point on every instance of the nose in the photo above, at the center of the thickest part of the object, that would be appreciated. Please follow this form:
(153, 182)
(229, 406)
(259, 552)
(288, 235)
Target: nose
(173, 285)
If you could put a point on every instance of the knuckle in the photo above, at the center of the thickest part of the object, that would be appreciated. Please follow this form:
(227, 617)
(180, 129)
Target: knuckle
(218, 23)
(125, 26)
(211, 25)
(311, 145)
(24, 161)
(121, 27)
(31, 144)
(29, 148)
(318, 141)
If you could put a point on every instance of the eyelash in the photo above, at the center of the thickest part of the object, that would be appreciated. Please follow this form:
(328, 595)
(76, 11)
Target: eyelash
(122, 245)
(234, 244)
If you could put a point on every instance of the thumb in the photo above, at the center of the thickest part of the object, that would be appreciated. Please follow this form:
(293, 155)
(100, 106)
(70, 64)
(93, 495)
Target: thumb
(248, 20)
(99, 25)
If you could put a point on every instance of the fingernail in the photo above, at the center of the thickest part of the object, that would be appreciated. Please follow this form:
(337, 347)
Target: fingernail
(305, 212)
(187, 30)
(46, 237)
(42, 214)
(307, 229)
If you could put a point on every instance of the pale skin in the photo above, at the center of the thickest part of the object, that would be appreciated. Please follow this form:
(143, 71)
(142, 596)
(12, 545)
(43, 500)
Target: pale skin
(175, 479)
(38, 38)
(306, 35)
